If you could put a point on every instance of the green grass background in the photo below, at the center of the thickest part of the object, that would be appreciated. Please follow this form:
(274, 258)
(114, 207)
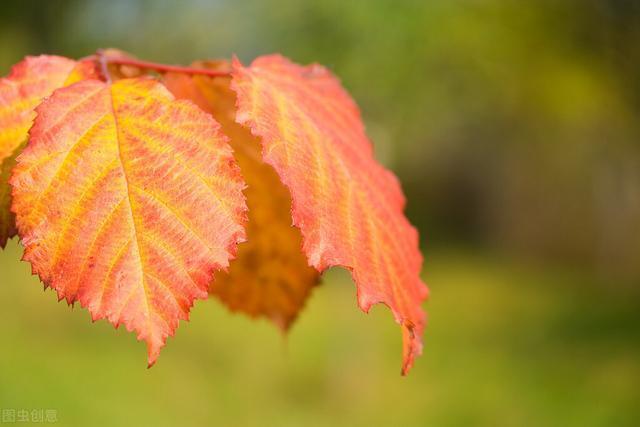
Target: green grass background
(507, 345)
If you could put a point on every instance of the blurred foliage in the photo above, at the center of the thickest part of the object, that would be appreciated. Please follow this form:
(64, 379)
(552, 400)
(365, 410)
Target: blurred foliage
(514, 127)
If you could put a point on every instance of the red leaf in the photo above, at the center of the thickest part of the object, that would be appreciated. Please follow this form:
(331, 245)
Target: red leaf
(348, 207)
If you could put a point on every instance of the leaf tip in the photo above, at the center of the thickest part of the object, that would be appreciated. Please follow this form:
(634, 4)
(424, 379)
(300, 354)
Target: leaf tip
(153, 352)
(411, 345)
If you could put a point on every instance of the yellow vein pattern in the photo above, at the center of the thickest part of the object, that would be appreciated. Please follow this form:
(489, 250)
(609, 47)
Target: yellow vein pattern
(29, 82)
(348, 207)
(131, 223)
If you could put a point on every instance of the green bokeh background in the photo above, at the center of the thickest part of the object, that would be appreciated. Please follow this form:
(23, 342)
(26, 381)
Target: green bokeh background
(513, 126)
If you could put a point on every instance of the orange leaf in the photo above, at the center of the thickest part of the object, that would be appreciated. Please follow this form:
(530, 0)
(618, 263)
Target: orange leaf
(271, 276)
(28, 83)
(127, 201)
(348, 207)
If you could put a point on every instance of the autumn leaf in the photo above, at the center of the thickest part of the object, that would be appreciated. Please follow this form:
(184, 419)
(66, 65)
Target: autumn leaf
(29, 82)
(131, 202)
(271, 276)
(347, 206)
(128, 201)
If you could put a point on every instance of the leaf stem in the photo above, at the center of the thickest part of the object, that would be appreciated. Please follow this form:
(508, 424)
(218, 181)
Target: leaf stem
(166, 68)
(102, 60)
